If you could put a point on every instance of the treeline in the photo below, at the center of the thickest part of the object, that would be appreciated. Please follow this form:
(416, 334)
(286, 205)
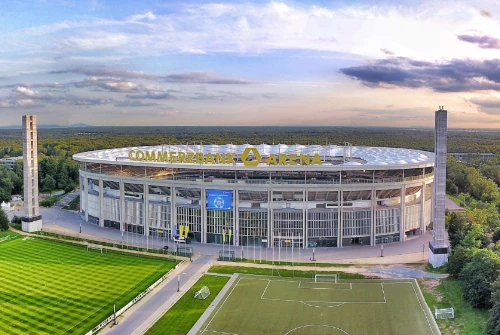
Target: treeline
(475, 239)
(56, 146)
(67, 141)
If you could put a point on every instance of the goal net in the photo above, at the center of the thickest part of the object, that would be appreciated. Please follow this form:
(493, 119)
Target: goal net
(322, 278)
(444, 313)
(202, 294)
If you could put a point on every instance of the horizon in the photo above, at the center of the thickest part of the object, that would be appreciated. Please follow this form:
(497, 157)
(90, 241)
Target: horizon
(360, 63)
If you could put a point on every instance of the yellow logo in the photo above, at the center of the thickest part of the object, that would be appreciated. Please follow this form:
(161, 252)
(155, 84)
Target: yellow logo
(246, 153)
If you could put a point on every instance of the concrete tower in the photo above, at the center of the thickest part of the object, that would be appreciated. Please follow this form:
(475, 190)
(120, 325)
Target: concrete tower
(32, 221)
(438, 254)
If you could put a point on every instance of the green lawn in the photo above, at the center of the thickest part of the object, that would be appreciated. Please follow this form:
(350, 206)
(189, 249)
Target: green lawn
(467, 321)
(280, 272)
(49, 287)
(258, 305)
(183, 315)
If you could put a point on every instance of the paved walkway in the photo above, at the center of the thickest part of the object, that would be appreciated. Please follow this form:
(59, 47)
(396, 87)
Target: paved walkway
(68, 197)
(413, 250)
(142, 316)
(388, 271)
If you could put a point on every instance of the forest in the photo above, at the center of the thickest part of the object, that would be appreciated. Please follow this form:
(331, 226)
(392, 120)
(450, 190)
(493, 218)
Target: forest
(58, 171)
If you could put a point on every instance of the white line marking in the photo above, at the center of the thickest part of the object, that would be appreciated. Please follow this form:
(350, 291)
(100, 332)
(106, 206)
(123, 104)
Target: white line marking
(326, 326)
(221, 307)
(423, 311)
(337, 305)
(268, 282)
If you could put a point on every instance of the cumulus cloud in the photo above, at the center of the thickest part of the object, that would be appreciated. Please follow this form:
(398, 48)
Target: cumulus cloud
(484, 42)
(107, 72)
(203, 78)
(108, 84)
(26, 91)
(451, 76)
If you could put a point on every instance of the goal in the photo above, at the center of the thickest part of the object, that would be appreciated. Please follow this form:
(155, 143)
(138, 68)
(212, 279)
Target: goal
(202, 294)
(94, 247)
(322, 278)
(444, 313)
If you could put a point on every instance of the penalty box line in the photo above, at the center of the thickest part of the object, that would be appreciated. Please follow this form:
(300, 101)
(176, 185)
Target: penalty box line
(320, 301)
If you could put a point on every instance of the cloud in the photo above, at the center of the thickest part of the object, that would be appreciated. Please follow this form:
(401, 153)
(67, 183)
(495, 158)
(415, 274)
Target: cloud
(203, 78)
(485, 13)
(387, 51)
(23, 96)
(149, 16)
(106, 72)
(26, 91)
(484, 42)
(157, 95)
(138, 103)
(488, 105)
(451, 76)
(108, 84)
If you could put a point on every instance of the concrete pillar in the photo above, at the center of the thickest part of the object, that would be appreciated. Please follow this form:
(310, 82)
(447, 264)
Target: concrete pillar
(236, 217)
(32, 221)
(438, 254)
(101, 202)
(146, 209)
(403, 215)
(122, 206)
(173, 212)
(340, 198)
(374, 214)
(204, 219)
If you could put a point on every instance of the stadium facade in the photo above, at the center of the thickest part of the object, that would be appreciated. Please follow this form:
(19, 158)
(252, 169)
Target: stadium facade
(267, 195)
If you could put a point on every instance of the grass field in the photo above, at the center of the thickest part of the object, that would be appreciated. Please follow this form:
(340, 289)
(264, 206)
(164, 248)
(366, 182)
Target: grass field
(183, 315)
(298, 306)
(49, 287)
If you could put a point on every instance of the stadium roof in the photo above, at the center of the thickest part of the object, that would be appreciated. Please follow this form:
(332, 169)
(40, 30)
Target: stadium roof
(342, 157)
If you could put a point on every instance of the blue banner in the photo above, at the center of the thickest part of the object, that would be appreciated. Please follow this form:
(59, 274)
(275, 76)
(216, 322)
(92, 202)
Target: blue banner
(221, 200)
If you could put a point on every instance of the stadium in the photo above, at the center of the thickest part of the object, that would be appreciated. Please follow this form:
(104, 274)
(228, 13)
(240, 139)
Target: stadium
(264, 195)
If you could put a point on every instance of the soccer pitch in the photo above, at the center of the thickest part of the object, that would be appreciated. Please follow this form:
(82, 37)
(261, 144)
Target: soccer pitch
(257, 305)
(49, 287)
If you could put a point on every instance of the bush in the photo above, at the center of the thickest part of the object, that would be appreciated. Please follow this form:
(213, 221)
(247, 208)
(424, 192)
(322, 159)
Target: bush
(49, 201)
(477, 276)
(16, 220)
(458, 259)
(493, 325)
(4, 220)
(496, 235)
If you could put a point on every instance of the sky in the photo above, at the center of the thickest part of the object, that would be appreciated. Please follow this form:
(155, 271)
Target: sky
(297, 63)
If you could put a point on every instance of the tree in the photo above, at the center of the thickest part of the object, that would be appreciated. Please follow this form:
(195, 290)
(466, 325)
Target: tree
(48, 184)
(477, 276)
(493, 324)
(475, 237)
(458, 259)
(4, 220)
(70, 187)
(496, 235)
(457, 228)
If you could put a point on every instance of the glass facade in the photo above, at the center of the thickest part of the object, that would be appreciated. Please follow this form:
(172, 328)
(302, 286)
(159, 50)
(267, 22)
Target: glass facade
(302, 209)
